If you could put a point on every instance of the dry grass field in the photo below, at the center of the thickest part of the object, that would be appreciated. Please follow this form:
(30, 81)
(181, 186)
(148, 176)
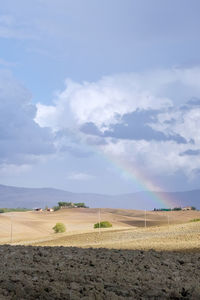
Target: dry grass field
(163, 231)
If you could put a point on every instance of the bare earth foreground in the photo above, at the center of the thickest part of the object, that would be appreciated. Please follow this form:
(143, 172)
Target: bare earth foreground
(128, 261)
(77, 273)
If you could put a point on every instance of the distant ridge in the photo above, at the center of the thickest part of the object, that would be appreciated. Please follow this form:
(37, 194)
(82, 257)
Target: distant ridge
(11, 196)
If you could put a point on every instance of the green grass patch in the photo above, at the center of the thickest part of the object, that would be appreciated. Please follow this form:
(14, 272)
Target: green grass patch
(5, 210)
(195, 220)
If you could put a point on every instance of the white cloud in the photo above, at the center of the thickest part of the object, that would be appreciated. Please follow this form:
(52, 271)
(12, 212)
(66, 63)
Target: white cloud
(151, 157)
(183, 121)
(46, 116)
(79, 176)
(105, 102)
(99, 102)
(11, 169)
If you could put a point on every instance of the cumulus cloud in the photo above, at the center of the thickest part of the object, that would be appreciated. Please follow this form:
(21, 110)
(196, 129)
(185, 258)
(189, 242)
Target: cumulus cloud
(22, 140)
(105, 101)
(155, 158)
(183, 121)
(149, 119)
(100, 103)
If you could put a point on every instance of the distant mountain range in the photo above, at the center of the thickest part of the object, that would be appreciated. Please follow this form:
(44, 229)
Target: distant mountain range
(11, 196)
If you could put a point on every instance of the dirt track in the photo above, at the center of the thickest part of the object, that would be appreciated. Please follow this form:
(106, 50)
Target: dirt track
(74, 273)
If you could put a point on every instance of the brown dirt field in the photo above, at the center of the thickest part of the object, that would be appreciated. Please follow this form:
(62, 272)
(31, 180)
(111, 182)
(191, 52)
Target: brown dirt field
(66, 273)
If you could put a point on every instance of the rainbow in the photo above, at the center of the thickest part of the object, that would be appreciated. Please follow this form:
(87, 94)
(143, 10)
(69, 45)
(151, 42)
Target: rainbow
(155, 192)
(141, 181)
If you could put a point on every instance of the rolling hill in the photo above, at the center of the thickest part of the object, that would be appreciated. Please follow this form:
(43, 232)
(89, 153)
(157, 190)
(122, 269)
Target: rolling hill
(11, 196)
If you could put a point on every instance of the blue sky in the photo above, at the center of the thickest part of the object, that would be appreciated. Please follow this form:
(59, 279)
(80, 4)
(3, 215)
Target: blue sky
(95, 94)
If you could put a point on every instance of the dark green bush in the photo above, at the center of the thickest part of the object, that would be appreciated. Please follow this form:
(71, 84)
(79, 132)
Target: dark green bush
(55, 208)
(104, 224)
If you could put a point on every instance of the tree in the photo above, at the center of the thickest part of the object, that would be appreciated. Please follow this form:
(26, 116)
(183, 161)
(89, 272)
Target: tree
(177, 208)
(62, 204)
(80, 204)
(193, 208)
(56, 208)
(104, 224)
(59, 227)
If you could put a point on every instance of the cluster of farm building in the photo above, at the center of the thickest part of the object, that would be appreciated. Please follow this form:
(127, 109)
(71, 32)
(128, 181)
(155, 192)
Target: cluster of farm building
(62, 205)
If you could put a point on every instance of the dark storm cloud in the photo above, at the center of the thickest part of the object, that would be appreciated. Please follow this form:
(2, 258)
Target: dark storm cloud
(194, 101)
(90, 128)
(21, 137)
(190, 152)
(134, 126)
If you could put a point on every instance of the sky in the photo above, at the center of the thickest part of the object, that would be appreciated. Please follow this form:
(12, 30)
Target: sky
(100, 96)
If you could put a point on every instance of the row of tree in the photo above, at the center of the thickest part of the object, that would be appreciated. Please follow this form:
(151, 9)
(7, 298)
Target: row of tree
(172, 209)
(71, 204)
(63, 204)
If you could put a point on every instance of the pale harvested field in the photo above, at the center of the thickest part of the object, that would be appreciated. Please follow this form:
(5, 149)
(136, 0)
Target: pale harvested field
(164, 230)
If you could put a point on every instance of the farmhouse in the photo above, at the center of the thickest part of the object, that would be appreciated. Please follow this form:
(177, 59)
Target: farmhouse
(50, 209)
(187, 208)
(38, 209)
